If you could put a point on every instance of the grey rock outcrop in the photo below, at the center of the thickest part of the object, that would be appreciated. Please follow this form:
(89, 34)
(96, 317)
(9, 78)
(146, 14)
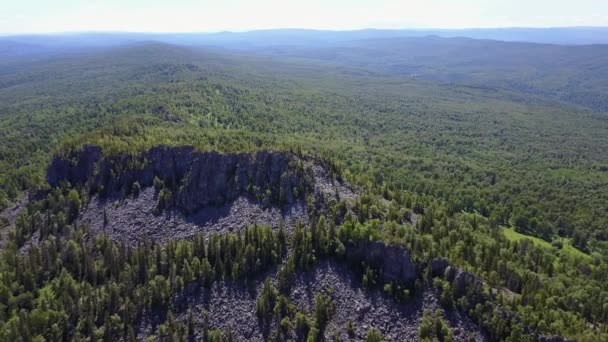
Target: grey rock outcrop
(196, 179)
(394, 261)
(463, 281)
(438, 266)
(76, 168)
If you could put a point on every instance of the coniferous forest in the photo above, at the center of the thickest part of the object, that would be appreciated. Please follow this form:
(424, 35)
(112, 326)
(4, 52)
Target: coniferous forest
(128, 172)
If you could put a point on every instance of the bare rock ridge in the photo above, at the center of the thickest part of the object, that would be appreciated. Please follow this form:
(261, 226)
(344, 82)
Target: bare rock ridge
(196, 179)
(196, 191)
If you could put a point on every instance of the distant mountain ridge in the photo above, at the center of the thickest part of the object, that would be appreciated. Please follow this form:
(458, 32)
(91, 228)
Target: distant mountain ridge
(573, 74)
(298, 37)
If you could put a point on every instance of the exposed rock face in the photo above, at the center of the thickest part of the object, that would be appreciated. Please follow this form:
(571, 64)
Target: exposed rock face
(215, 179)
(75, 169)
(438, 266)
(196, 179)
(463, 281)
(207, 191)
(394, 261)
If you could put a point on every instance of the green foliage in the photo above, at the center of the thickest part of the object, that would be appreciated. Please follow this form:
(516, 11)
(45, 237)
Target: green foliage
(113, 283)
(74, 203)
(442, 169)
(286, 325)
(350, 328)
(302, 324)
(135, 189)
(474, 154)
(373, 335)
(158, 183)
(434, 328)
(396, 290)
(164, 200)
(324, 309)
(266, 301)
(517, 265)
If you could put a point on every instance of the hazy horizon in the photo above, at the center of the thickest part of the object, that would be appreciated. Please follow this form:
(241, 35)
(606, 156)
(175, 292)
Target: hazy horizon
(303, 29)
(188, 16)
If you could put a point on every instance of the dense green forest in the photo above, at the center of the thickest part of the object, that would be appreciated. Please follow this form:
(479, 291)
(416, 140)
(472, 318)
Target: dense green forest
(509, 185)
(571, 74)
(518, 160)
(64, 287)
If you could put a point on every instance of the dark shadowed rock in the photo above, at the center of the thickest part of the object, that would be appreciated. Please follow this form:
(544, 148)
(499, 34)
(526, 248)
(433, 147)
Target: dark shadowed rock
(196, 179)
(394, 261)
(438, 266)
(463, 281)
(76, 169)
(214, 179)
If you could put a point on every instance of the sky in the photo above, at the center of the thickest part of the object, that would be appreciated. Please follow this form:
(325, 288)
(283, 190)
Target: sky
(46, 16)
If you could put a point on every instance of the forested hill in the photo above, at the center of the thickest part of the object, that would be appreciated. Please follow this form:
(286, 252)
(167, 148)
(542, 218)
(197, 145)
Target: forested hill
(498, 152)
(511, 183)
(574, 74)
(571, 74)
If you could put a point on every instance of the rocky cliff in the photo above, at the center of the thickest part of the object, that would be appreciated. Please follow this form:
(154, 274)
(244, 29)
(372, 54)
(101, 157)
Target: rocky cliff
(394, 262)
(195, 179)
